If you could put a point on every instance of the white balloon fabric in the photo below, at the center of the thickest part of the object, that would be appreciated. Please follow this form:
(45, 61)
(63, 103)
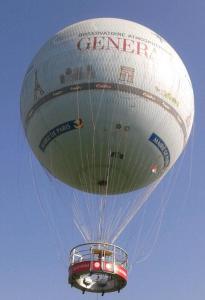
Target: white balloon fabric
(107, 106)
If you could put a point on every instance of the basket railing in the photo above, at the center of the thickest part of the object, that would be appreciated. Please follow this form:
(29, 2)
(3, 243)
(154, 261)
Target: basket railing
(99, 251)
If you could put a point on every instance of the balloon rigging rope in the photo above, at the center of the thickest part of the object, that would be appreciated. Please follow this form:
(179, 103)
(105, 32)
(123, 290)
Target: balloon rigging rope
(154, 229)
(47, 213)
(140, 254)
(134, 208)
(190, 171)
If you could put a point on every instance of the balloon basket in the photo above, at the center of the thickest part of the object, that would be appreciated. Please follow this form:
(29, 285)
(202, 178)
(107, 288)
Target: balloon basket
(98, 267)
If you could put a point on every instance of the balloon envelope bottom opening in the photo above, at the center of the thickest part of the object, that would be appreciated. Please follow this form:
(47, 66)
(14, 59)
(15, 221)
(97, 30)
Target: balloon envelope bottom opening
(98, 267)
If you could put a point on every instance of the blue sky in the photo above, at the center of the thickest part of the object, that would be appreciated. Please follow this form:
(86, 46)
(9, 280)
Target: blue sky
(36, 229)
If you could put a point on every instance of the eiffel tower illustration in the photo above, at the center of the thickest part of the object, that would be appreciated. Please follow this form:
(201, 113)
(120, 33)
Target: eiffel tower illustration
(38, 91)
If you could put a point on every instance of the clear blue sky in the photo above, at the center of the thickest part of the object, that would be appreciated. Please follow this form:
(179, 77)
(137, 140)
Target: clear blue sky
(32, 245)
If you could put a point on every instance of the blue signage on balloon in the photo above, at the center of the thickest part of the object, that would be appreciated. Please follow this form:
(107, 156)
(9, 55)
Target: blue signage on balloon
(58, 130)
(160, 144)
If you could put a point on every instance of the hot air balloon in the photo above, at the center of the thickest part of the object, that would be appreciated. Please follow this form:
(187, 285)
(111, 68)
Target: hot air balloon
(107, 107)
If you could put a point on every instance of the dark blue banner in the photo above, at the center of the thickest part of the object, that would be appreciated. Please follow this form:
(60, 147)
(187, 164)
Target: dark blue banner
(58, 130)
(160, 144)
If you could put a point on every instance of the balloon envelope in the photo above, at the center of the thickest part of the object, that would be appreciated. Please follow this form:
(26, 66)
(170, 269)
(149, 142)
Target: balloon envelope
(107, 106)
